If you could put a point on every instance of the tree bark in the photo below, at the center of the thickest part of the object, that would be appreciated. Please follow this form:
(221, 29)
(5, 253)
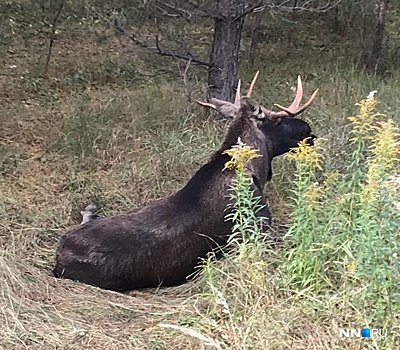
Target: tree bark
(224, 57)
(380, 29)
(254, 38)
(372, 57)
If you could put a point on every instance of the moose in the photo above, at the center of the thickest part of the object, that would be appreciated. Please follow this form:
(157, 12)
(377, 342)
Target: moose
(161, 243)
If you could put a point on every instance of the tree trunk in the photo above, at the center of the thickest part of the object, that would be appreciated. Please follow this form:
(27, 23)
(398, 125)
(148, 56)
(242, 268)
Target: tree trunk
(224, 58)
(373, 57)
(254, 38)
(380, 29)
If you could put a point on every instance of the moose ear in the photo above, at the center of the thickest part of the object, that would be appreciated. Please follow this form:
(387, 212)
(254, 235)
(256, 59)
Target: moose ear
(227, 109)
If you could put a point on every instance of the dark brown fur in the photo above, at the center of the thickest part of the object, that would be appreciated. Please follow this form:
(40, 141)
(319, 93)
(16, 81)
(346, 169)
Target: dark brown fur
(162, 242)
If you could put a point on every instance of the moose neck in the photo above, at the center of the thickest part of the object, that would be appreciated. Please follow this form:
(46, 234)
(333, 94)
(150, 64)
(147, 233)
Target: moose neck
(247, 130)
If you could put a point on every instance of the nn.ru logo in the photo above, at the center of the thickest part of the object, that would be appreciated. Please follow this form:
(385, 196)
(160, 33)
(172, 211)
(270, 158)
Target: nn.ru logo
(362, 333)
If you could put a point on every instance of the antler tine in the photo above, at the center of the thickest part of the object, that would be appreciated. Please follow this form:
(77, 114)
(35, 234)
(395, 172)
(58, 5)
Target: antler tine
(252, 84)
(299, 92)
(206, 104)
(296, 102)
(295, 107)
(308, 103)
(238, 95)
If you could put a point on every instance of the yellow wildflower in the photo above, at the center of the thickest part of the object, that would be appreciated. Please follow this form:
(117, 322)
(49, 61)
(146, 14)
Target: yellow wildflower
(351, 267)
(385, 147)
(332, 178)
(384, 161)
(308, 155)
(240, 155)
(313, 195)
(363, 122)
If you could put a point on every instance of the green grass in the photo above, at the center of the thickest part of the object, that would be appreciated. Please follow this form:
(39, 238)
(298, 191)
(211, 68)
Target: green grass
(115, 126)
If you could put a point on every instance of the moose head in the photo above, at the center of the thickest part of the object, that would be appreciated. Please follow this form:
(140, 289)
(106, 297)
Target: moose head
(161, 243)
(281, 130)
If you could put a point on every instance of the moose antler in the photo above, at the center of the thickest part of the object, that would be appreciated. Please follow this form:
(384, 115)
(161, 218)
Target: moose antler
(229, 110)
(238, 95)
(295, 108)
(253, 82)
(219, 104)
(206, 104)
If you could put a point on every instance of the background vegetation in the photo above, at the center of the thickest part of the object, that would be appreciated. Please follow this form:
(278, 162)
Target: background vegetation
(103, 119)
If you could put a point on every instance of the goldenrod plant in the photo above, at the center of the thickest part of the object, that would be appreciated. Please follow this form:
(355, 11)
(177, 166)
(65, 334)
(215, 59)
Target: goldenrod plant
(378, 224)
(303, 262)
(345, 229)
(237, 289)
(244, 204)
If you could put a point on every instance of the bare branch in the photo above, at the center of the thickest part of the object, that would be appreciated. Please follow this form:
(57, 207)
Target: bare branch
(178, 11)
(203, 12)
(188, 90)
(184, 55)
(286, 6)
(192, 9)
(53, 35)
(261, 6)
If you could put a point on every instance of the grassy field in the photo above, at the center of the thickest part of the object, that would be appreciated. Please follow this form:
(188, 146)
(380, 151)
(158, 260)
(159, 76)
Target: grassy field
(112, 124)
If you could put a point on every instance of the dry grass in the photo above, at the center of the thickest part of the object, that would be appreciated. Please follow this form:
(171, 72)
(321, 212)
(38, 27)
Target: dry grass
(50, 165)
(105, 126)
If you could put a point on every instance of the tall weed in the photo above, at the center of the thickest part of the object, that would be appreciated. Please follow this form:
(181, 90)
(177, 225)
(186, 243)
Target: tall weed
(345, 226)
(237, 289)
